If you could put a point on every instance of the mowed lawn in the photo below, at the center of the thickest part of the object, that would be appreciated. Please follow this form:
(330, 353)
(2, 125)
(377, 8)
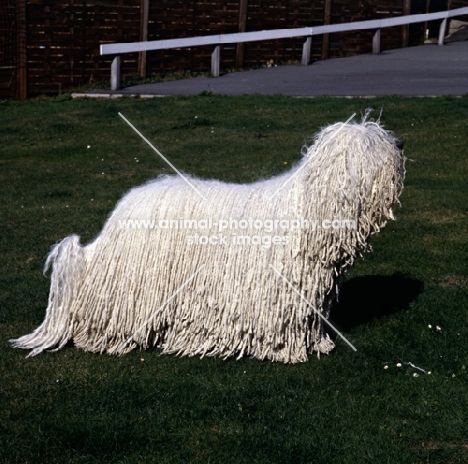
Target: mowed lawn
(402, 397)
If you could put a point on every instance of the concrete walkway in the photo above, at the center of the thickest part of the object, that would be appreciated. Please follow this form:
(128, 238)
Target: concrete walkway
(426, 70)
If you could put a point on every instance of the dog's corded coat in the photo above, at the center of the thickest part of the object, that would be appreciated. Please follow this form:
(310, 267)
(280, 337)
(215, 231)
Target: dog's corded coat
(157, 287)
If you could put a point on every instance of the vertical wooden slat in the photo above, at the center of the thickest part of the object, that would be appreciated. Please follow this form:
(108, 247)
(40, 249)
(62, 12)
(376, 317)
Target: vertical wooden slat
(405, 27)
(326, 37)
(143, 36)
(426, 24)
(22, 71)
(449, 7)
(243, 7)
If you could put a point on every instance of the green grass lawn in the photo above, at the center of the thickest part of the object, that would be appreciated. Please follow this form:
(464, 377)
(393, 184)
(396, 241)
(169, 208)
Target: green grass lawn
(64, 165)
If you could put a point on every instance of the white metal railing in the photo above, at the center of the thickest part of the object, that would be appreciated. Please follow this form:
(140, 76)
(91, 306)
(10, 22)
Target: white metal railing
(117, 49)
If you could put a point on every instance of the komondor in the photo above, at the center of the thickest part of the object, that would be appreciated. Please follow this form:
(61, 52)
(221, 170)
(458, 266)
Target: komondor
(202, 267)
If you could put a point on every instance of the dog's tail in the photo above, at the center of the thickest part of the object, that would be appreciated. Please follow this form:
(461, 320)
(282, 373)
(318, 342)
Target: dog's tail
(68, 264)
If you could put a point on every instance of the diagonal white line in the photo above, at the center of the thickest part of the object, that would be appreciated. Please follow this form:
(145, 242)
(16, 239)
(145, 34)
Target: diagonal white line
(162, 306)
(160, 154)
(306, 162)
(316, 312)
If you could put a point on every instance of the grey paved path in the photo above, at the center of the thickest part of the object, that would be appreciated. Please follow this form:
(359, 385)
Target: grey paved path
(426, 70)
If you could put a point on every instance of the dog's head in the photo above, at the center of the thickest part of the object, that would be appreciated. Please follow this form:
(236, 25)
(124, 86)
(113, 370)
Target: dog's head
(360, 168)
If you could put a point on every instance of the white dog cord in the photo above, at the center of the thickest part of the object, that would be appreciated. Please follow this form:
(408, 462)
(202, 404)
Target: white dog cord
(316, 312)
(162, 306)
(305, 164)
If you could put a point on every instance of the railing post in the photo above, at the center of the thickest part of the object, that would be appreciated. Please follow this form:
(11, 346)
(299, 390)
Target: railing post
(376, 42)
(215, 55)
(115, 73)
(442, 29)
(306, 51)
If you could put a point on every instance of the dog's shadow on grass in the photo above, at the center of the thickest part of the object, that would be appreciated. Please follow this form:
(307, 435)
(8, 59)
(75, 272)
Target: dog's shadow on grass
(362, 299)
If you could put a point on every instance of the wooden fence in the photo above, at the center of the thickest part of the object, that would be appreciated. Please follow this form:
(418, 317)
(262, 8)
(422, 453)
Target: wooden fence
(375, 25)
(47, 46)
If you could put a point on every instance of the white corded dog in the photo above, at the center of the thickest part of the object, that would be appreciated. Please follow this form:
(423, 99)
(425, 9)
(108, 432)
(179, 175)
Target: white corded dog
(249, 269)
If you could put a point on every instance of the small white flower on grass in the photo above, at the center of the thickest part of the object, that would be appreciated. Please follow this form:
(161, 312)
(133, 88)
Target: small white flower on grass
(453, 375)
(398, 365)
(415, 374)
(142, 359)
(88, 147)
(385, 367)
(429, 326)
(438, 328)
(429, 372)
